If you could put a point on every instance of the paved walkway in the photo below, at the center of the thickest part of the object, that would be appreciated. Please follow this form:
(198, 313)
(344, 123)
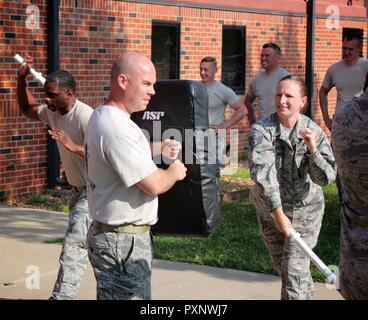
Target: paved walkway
(24, 254)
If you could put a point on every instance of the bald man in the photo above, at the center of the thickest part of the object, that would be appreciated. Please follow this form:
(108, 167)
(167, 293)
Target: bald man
(123, 183)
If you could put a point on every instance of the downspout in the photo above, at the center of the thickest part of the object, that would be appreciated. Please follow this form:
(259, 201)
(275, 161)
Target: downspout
(309, 70)
(53, 63)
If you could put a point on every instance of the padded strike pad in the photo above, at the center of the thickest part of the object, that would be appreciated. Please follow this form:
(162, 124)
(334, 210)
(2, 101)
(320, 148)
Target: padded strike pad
(191, 206)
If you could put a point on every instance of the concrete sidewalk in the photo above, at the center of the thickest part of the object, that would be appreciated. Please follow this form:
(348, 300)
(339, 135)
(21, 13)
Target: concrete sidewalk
(24, 254)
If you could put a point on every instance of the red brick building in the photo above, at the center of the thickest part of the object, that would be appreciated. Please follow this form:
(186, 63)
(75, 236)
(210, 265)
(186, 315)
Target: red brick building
(92, 33)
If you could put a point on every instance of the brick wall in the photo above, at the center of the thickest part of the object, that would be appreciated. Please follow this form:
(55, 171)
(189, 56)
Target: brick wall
(92, 33)
(23, 157)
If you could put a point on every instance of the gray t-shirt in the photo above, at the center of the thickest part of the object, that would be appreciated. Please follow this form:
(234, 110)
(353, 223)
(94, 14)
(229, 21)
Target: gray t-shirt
(118, 156)
(263, 86)
(219, 96)
(348, 80)
(74, 123)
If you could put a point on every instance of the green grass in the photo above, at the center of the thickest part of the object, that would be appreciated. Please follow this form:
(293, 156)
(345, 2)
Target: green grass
(238, 244)
(242, 173)
(55, 241)
(235, 245)
(64, 207)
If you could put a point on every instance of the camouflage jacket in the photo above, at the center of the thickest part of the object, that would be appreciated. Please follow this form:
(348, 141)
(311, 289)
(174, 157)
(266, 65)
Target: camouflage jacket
(350, 142)
(285, 173)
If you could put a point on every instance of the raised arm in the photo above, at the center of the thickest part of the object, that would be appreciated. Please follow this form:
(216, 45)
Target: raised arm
(26, 100)
(322, 167)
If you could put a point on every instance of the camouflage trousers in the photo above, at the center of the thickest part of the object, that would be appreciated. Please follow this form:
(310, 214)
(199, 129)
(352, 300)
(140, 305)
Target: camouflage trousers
(353, 258)
(74, 255)
(122, 263)
(291, 263)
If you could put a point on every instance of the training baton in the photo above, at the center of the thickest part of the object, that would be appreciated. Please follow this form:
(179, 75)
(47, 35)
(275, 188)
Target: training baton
(37, 75)
(295, 236)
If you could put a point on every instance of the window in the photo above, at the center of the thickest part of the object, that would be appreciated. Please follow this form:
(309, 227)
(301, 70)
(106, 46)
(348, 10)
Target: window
(352, 32)
(233, 58)
(166, 49)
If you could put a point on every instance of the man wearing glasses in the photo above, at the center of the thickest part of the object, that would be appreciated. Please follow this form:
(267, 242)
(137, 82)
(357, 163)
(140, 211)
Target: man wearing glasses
(347, 76)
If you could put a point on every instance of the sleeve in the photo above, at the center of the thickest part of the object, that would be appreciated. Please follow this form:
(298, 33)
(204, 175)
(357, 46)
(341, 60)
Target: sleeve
(262, 165)
(230, 96)
(42, 112)
(328, 82)
(366, 66)
(129, 155)
(322, 166)
(83, 120)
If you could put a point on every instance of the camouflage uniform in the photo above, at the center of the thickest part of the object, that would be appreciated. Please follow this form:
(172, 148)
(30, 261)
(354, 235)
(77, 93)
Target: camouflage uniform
(288, 176)
(122, 263)
(74, 255)
(350, 140)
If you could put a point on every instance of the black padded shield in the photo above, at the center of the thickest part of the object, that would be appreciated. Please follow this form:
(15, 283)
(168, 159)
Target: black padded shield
(191, 206)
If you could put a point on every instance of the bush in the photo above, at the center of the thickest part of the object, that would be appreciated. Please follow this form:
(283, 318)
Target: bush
(64, 207)
(35, 199)
(4, 195)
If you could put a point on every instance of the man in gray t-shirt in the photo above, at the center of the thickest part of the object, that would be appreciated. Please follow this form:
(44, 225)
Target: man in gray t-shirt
(219, 97)
(264, 83)
(124, 182)
(347, 76)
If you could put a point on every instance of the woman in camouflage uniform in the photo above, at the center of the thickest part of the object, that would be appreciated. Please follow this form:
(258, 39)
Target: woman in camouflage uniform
(290, 159)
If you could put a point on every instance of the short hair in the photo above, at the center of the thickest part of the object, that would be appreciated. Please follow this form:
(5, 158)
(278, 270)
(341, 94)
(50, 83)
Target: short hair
(209, 59)
(273, 46)
(116, 68)
(298, 80)
(351, 37)
(64, 79)
(126, 63)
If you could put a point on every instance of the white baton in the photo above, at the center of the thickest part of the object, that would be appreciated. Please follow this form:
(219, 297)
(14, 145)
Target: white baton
(37, 75)
(295, 236)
